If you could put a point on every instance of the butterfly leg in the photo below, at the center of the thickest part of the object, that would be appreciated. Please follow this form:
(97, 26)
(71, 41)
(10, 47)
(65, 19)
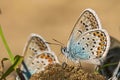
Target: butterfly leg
(65, 59)
(80, 64)
(64, 65)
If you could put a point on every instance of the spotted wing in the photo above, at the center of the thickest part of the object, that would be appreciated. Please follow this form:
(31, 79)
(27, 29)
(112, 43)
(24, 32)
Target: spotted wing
(38, 63)
(86, 22)
(41, 61)
(91, 45)
(35, 46)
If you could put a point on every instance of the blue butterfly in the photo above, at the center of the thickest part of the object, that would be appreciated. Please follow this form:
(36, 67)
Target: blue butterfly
(88, 41)
(37, 55)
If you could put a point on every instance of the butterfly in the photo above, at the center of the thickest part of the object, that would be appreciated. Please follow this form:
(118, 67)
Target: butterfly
(88, 41)
(37, 55)
(116, 73)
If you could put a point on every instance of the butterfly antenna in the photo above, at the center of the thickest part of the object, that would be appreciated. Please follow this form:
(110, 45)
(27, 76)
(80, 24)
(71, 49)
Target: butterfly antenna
(52, 43)
(58, 42)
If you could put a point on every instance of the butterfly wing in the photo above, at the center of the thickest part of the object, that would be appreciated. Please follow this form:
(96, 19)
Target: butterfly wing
(93, 44)
(87, 21)
(41, 61)
(35, 46)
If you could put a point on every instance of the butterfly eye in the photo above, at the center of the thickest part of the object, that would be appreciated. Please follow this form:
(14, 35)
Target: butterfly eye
(78, 43)
(64, 50)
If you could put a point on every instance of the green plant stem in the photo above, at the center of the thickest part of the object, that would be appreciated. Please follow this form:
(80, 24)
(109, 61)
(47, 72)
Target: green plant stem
(110, 64)
(6, 46)
(18, 60)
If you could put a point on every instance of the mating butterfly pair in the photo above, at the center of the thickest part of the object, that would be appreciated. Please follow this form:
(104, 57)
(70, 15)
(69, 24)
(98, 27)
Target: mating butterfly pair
(88, 42)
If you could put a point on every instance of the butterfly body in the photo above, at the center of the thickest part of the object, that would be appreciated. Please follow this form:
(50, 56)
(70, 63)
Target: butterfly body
(88, 41)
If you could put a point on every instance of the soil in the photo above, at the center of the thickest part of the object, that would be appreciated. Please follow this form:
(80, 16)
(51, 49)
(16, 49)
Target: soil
(65, 72)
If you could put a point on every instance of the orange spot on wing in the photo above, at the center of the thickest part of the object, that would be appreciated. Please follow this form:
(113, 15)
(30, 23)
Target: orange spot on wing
(50, 60)
(46, 57)
(42, 56)
(99, 48)
(99, 53)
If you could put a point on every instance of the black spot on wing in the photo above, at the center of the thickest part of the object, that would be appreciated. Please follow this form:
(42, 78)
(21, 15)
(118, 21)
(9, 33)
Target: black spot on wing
(38, 68)
(40, 43)
(32, 63)
(88, 38)
(80, 31)
(87, 29)
(95, 42)
(87, 44)
(93, 53)
(38, 62)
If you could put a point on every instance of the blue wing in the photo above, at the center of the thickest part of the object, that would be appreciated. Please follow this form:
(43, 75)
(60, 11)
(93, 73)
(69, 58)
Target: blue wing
(92, 44)
(86, 22)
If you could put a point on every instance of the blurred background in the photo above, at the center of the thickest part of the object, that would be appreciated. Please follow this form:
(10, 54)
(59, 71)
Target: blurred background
(52, 19)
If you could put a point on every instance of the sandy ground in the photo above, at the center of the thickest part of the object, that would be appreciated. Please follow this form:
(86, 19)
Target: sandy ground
(51, 19)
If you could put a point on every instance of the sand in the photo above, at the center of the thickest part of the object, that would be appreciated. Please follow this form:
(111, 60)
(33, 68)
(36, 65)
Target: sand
(65, 72)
